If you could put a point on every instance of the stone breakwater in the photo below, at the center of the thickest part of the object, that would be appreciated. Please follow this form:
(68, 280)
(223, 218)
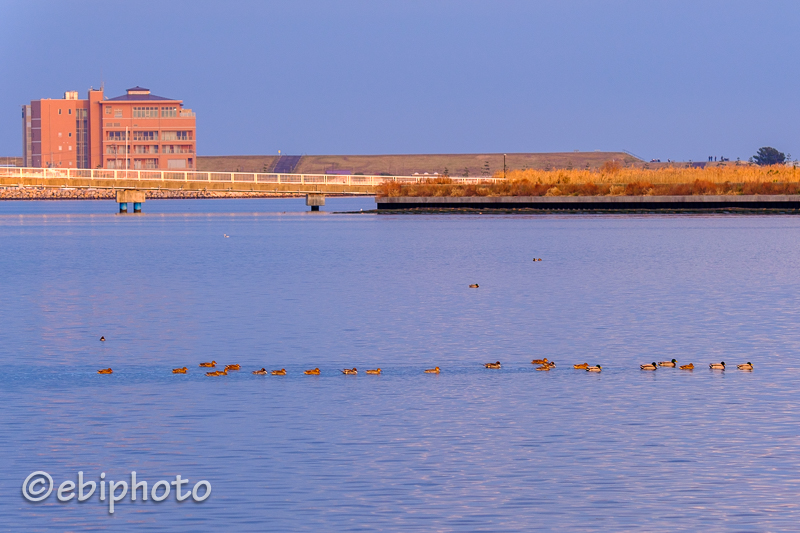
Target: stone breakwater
(42, 193)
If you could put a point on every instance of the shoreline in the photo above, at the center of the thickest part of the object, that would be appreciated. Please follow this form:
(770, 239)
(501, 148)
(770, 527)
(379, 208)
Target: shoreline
(593, 204)
(39, 193)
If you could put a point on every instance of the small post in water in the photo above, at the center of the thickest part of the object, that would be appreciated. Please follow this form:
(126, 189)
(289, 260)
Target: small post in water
(130, 195)
(315, 200)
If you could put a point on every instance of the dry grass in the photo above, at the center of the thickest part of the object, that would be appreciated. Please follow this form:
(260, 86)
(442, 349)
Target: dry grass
(611, 179)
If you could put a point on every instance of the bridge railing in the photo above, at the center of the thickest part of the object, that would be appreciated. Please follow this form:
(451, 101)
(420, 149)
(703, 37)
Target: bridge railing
(225, 177)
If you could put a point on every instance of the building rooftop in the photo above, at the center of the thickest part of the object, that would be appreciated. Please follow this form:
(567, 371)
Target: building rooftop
(140, 93)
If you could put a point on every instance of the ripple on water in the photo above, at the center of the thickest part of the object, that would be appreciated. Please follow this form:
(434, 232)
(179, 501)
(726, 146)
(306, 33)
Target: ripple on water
(468, 449)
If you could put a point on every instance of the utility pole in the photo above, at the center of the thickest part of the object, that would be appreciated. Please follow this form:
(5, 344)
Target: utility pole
(504, 166)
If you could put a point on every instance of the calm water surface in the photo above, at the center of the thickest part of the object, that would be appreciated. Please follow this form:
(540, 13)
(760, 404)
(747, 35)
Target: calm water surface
(467, 450)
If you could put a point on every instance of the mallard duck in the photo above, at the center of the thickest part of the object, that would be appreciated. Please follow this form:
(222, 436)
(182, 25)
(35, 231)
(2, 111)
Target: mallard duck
(281, 372)
(539, 259)
(102, 339)
(376, 371)
(314, 372)
(690, 366)
(350, 371)
(551, 364)
(492, 365)
(474, 286)
(539, 361)
(432, 370)
(544, 368)
(212, 364)
(582, 366)
(717, 366)
(651, 366)
(668, 363)
(596, 368)
(262, 372)
(105, 371)
(179, 370)
(233, 367)
(747, 366)
(217, 373)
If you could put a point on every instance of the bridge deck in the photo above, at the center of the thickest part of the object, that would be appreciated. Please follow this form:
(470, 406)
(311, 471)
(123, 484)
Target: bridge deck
(198, 181)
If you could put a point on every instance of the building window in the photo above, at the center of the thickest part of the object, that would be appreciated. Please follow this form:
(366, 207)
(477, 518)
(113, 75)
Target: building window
(139, 164)
(176, 163)
(118, 113)
(145, 135)
(59, 111)
(69, 134)
(145, 112)
(169, 112)
(177, 135)
(69, 111)
(145, 149)
(115, 135)
(108, 110)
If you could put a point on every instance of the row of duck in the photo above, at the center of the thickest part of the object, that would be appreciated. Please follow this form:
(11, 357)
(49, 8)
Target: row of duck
(544, 366)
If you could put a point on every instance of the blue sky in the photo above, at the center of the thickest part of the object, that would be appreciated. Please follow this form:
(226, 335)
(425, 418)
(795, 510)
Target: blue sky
(663, 79)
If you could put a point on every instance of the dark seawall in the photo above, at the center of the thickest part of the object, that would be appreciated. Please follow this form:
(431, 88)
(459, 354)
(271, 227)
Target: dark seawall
(594, 203)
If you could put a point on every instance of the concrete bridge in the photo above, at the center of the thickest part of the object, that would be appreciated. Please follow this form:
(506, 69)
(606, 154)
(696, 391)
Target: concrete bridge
(137, 182)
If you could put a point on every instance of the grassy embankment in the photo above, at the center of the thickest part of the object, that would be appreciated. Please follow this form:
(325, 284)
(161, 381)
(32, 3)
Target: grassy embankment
(613, 180)
(409, 164)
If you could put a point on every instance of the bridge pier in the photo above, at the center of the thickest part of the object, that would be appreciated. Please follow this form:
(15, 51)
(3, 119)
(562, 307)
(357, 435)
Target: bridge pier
(130, 195)
(315, 200)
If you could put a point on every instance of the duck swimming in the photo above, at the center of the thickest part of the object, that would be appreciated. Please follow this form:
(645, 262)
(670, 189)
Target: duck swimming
(217, 373)
(179, 370)
(668, 363)
(492, 365)
(262, 372)
(432, 370)
(281, 372)
(105, 371)
(350, 371)
(474, 286)
(103, 339)
(376, 371)
(690, 366)
(544, 368)
(539, 361)
(596, 368)
(233, 367)
(747, 366)
(651, 366)
(582, 366)
(212, 364)
(314, 372)
(717, 366)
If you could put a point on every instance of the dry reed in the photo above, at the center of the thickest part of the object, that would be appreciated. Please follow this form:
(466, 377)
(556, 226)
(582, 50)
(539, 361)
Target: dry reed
(612, 180)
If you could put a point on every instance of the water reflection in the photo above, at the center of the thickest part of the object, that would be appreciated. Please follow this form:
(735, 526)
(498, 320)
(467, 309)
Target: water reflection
(468, 449)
